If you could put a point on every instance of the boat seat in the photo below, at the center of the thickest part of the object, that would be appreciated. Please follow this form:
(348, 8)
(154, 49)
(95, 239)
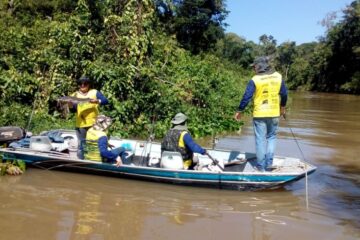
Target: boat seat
(171, 160)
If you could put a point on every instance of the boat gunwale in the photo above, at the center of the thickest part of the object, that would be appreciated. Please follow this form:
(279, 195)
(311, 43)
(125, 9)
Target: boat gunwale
(66, 157)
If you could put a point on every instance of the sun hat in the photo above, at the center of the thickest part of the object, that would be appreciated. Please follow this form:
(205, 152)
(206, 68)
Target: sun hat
(102, 122)
(179, 118)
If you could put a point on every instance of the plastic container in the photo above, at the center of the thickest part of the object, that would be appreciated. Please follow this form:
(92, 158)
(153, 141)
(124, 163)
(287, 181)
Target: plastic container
(40, 143)
(172, 160)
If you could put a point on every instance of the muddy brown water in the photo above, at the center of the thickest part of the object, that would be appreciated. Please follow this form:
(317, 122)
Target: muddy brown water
(322, 128)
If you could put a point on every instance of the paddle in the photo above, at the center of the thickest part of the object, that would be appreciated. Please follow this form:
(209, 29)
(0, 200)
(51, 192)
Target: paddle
(216, 162)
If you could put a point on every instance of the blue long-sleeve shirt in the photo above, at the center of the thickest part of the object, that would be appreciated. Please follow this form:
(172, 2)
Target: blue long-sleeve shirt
(103, 148)
(192, 145)
(250, 90)
(102, 98)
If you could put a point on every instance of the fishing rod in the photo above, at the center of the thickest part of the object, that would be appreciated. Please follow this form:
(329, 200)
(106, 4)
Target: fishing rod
(31, 115)
(145, 155)
(215, 161)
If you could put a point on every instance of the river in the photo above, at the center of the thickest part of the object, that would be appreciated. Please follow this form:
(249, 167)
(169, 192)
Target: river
(324, 129)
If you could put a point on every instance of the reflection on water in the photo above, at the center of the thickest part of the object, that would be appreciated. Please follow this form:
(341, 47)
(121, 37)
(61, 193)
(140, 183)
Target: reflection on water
(56, 205)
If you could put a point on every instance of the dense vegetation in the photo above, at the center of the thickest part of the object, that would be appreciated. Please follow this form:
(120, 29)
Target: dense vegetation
(152, 58)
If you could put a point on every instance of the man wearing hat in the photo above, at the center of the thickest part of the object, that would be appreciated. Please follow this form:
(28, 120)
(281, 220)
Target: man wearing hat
(178, 139)
(86, 112)
(97, 143)
(269, 94)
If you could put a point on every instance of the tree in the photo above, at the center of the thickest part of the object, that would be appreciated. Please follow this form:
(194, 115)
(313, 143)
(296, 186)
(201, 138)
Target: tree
(267, 45)
(286, 54)
(339, 70)
(236, 49)
(197, 24)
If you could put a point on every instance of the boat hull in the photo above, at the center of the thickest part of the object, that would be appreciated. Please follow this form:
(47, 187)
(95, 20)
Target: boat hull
(219, 180)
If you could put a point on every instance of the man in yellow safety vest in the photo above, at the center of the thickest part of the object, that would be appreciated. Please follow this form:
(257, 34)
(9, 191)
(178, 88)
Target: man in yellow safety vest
(96, 147)
(86, 112)
(269, 94)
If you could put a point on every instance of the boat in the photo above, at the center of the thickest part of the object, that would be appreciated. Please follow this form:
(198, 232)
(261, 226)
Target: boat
(222, 169)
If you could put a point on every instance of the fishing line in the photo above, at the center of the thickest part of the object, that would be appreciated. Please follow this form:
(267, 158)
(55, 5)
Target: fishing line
(303, 156)
(31, 115)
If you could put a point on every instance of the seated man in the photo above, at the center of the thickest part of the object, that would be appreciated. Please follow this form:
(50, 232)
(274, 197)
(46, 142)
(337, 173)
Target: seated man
(97, 143)
(178, 139)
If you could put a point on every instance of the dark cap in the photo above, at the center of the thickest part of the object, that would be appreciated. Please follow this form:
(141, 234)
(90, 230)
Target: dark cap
(261, 64)
(83, 79)
(260, 60)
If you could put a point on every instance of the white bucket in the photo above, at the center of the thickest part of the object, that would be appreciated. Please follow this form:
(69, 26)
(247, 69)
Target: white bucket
(40, 143)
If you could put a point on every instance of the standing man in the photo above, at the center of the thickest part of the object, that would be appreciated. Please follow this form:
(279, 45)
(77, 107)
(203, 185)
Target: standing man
(86, 112)
(178, 139)
(269, 93)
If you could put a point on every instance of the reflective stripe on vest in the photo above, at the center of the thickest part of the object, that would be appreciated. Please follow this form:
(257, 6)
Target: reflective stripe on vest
(181, 139)
(187, 162)
(92, 151)
(267, 97)
(86, 112)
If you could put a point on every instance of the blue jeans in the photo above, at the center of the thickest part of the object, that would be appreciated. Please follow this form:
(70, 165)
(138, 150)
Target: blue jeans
(265, 130)
(81, 136)
(120, 151)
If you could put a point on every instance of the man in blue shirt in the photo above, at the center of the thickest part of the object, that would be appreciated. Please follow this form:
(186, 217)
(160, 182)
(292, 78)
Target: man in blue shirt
(269, 94)
(97, 143)
(178, 139)
(86, 112)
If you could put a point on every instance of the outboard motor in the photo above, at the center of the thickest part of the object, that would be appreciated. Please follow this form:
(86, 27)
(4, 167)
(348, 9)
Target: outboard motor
(10, 134)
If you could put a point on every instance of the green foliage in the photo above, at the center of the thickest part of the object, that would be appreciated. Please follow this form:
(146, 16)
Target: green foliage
(286, 54)
(333, 64)
(267, 46)
(121, 46)
(130, 49)
(236, 50)
(12, 167)
(197, 24)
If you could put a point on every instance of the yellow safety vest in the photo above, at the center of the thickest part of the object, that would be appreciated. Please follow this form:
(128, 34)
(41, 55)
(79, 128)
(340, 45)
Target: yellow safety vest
(92, 151)
(86, 112)
(187, 162)
(267, 95)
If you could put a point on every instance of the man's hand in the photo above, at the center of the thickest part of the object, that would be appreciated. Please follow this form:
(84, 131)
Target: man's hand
(118, 161)
(237, 116)
(94, 101)
(70, 104)
(283, 112)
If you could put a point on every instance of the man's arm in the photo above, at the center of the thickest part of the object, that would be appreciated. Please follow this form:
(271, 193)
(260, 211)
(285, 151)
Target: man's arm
(103, 148)
(193, 146)
(102, 99)
(283, 95)
(249, 92)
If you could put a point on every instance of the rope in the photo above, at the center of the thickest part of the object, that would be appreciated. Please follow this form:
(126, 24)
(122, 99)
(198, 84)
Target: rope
(306, 175)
